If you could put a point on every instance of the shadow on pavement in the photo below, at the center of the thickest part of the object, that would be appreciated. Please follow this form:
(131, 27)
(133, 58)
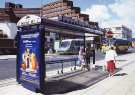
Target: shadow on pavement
(61, 87)
(74, 82)
(121, 74)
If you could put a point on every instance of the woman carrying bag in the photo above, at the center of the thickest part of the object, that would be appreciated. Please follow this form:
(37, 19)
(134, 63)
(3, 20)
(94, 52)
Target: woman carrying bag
(110, 59)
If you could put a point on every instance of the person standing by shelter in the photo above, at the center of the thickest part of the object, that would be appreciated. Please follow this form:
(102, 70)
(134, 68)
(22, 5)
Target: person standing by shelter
(110, 59)
(88, 53)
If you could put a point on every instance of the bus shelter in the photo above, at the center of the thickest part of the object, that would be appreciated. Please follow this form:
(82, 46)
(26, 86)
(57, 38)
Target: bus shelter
(31, 59)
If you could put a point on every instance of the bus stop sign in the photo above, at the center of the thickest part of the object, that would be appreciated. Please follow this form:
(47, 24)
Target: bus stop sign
(30, 57)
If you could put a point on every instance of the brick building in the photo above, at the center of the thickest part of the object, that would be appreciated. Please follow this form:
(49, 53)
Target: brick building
(63, 8)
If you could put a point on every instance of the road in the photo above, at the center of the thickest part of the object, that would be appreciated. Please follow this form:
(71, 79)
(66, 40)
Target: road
(8, 67)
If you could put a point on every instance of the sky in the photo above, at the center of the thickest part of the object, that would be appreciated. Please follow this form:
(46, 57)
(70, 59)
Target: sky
(107, 13)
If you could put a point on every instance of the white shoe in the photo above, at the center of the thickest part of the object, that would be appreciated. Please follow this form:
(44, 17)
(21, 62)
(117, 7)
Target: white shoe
(104, 68)
(93, 66)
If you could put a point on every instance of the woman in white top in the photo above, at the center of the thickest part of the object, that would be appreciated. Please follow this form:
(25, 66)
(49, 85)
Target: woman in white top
(81, 58)
(110, 59)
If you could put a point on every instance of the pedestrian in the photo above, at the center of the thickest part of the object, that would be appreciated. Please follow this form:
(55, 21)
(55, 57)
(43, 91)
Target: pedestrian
(50, 51)
(110, 59)
(88, 53)
(81, 58)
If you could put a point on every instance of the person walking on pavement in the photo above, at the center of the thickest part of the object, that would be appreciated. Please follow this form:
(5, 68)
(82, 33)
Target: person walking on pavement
(81, 58)
(110, 59)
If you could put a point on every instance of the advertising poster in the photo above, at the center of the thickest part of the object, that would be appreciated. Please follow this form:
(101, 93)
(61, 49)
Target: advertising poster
(30, 58)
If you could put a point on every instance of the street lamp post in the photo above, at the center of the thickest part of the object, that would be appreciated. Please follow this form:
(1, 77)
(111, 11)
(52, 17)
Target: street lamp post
(41, 3)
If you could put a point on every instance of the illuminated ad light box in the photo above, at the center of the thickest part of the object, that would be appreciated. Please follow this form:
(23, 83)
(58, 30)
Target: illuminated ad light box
(30, 57)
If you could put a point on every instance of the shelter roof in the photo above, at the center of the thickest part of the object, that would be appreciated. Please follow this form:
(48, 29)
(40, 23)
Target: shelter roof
(74, 28)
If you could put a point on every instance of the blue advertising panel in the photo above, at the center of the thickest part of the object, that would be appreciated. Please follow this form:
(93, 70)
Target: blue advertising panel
(30, 59)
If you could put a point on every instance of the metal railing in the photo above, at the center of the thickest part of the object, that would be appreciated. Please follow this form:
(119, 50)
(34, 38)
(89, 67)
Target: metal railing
(62, 64)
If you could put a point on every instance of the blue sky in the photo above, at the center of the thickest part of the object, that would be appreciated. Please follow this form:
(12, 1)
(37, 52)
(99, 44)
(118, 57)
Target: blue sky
(108, 13)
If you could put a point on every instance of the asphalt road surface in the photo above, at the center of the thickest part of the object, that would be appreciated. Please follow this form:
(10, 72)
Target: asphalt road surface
(7, 68)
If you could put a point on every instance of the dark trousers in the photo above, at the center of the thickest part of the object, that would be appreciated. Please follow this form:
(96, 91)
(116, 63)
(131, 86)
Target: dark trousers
(88, 60)
(88, 63)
